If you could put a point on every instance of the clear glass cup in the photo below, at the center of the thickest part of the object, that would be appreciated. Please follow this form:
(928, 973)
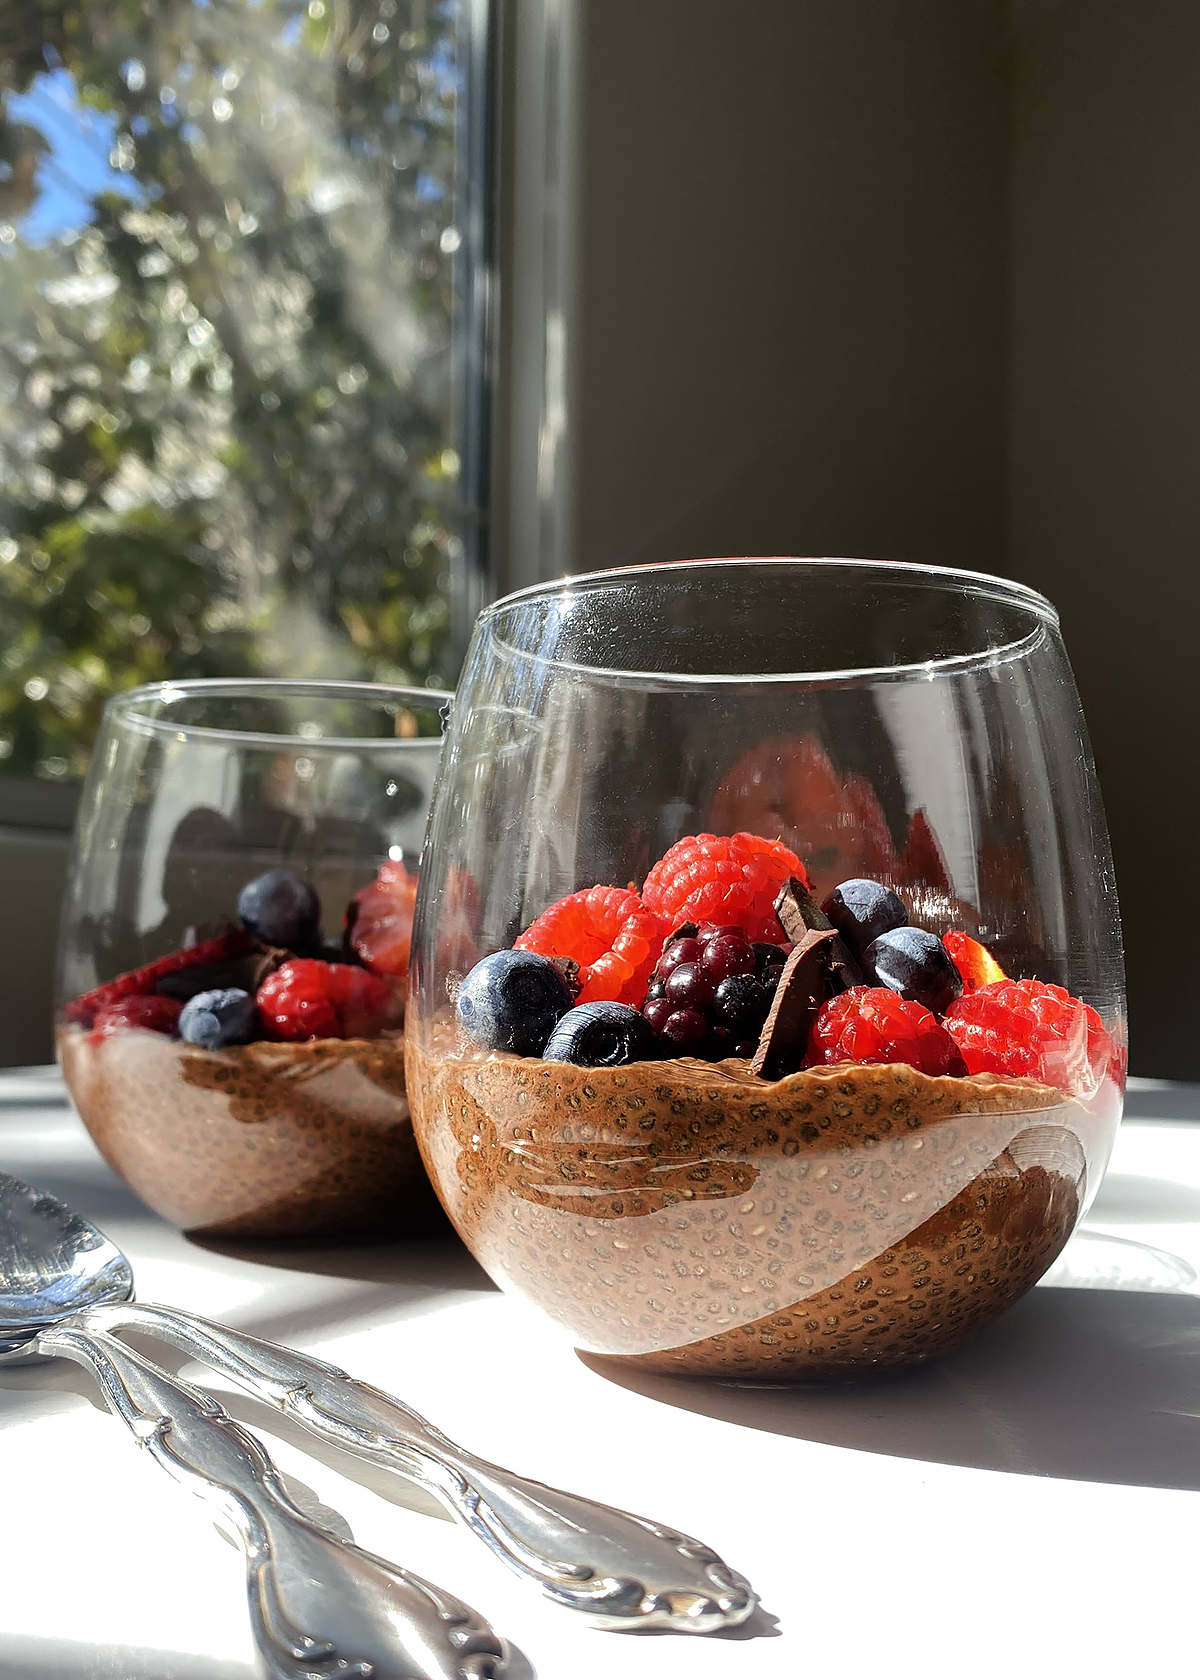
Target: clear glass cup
(196, 789)
(913, 725)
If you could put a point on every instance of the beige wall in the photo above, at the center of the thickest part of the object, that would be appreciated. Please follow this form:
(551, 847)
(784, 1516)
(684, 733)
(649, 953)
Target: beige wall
(920, 280)
(791, 280)
(32, 866)
(1105, 441)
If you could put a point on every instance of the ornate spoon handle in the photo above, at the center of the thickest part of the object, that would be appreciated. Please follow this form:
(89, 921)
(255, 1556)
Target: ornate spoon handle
(320, 1607)
(620, 1570)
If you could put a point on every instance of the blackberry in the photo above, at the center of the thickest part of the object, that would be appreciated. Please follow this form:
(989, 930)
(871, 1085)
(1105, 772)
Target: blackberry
(711, 991)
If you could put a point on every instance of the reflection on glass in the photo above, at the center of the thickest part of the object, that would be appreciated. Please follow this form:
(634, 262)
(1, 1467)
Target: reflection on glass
(229, 428)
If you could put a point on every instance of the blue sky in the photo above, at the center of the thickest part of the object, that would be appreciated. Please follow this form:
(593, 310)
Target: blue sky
(76, 168)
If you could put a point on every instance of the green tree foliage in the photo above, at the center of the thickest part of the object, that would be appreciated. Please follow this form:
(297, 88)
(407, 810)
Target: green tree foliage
(226, 414)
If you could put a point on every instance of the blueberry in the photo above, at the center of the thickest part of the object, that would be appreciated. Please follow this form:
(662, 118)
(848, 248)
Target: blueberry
(281, 908)
(511, 1001)
(215, 1019)
(602, 1035)
(741, 1003)
(917, 965)
(863, 910)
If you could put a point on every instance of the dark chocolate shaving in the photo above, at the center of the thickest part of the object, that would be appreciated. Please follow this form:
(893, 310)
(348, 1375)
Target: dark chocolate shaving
(803, 987)
(799, 913)
(245, 973)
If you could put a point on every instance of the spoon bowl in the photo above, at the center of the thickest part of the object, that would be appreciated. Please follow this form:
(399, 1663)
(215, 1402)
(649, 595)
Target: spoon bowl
(53, 1263)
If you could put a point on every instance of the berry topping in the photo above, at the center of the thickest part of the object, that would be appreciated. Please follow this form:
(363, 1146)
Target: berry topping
(711, 984)
(706, 934)
(215, 1019)
(381, 918)
(309, 999)
(1027, 1029)
(658, 1012)
(512, 1000)
(685, 1031)
(973, 961)
(281, 908)
(728, 954)
(723, 879)
(871, 1024)
(677, 952)
(152, 1014)
(916, 964)
(141, 982)
(689, 930)
(861, 910)
(741, 1004)
(610, 933)
(767, 957)
(602, 1035)
(688, 987)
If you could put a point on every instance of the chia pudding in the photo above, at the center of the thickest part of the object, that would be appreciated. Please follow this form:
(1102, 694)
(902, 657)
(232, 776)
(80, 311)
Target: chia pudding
(264, 1139)
(714, 1128)
(694, 1219)
(252, 1084)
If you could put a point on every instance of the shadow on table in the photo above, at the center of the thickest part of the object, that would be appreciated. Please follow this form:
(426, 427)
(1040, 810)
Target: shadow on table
(1089, 1384)
(431, 1252)
(96, 1194)
(1162, 1100)
(1125, 1198)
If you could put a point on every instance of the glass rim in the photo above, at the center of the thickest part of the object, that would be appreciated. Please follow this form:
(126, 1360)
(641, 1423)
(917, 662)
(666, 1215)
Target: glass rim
(981, 584)
(124, 707)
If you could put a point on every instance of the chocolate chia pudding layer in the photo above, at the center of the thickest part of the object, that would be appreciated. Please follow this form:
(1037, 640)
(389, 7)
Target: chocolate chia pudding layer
(255, 1140)
(692, 1218)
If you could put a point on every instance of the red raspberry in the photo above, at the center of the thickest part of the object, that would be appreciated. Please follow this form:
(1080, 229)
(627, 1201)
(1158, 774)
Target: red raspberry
(873, 1024)
(152, 1014)
(610, 933)
(140, 982)
(973, 961)
(311, 999)
(381, 930)
(1027, 1029)
(732, 879)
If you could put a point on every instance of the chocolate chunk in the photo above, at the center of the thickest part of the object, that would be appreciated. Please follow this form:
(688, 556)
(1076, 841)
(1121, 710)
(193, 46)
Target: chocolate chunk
(799, 913)
(803, 987)
(246, 973)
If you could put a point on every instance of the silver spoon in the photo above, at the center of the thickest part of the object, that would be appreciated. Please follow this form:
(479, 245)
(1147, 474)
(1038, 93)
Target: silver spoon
(619, 1570)
(320, 1607)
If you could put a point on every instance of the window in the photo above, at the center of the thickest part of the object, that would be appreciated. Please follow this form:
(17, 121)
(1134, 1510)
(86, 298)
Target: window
(242, 321)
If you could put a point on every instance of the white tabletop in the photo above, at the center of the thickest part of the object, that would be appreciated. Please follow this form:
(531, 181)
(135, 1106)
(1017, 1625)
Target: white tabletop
(1025, 1508)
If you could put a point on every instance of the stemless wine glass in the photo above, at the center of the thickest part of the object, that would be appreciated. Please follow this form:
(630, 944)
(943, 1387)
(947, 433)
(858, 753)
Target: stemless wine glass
(282, 1110)
(912, 725)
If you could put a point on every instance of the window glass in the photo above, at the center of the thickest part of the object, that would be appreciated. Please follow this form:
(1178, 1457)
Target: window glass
(233, 384)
